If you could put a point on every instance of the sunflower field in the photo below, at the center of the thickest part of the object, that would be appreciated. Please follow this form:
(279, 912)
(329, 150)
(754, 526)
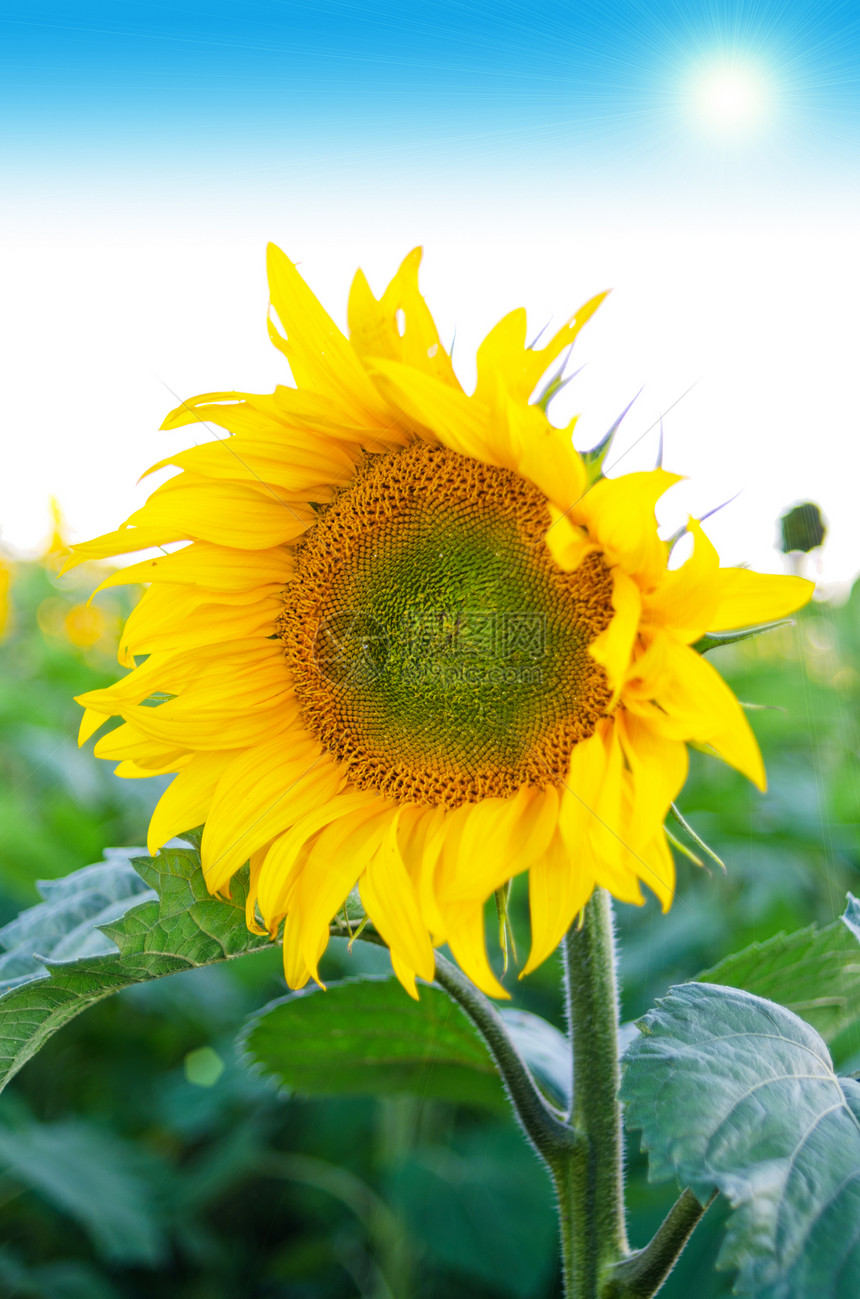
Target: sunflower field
(172, 1142)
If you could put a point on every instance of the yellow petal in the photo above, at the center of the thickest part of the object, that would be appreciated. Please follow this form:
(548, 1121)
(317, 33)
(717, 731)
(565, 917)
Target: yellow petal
(90, 723)
(390, 901)
(696, 697)
(542, 453)
(278, 868)
(127, 743)
(254, 865)
(296, 971)
(465, 931)
(424, 850)
(613, 648)
(170, 619)
(295, 470)
(559, 887)
(171, 673)
(568, 543)
(579, 796)
(500, 838)
(685, 599)
(229, 514)
(619, 513)
(399, 327)
(186, 801)
(611, 854)
(504, 349)
(129, 770)
(659, 869)
(405, 974)
(648, 670)
(658, 768)
(320, 357)
(124, 541)
(745, 598)
(435, 411)
(262, 791)
(217, 713)
(254, 414)
(333, 866)
(211, 568)
(353, 429)
(503, 361)
(287, 414)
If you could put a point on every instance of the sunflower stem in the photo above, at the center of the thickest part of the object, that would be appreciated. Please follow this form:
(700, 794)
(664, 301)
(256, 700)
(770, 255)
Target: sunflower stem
(642, 1274)
(590, 1181)
(550, 1135)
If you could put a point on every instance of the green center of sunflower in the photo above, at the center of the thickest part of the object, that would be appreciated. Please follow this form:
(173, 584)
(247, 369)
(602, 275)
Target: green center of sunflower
(438, 651)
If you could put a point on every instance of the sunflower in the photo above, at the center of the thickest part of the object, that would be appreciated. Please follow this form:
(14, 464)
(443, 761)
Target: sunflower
(416, 642)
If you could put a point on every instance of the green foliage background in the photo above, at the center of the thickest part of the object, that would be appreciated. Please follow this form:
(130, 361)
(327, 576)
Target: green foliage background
(139, 1157)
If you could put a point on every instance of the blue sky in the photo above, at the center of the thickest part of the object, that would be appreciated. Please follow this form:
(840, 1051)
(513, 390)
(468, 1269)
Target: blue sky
(558, 85)
(540, 152)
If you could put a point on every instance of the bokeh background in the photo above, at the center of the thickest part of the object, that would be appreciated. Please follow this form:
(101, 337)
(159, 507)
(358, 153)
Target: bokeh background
(701, 160)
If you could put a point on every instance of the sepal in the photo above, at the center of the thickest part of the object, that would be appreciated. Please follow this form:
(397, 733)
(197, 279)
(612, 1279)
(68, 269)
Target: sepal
(595, 457)
(714, 639)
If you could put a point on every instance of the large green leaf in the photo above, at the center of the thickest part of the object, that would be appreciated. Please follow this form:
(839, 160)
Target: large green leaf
(734, 1092)
(365, 1037)
(124, 921)
(482, 1207)
(94, 1177)
(131, 919)
(814, 972)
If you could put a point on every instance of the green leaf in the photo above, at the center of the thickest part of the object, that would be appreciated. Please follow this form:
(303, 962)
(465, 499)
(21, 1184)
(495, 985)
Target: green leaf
(65, 926)
(91, 1176)
(481, 1207)
(124, 921)
(131, 919)
(366, 1036)
(814, 972)
(851, 916)
(734, 1092)
(65, 1278)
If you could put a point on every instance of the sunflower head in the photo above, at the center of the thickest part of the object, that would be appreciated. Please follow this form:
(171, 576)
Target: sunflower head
(412, 641)
(441, 654)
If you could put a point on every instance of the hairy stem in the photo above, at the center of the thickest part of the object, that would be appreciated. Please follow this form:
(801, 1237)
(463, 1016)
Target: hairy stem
(549, 1134)
(590, 1183)
(552, 1138)
(584, 1153)
(643, 1273)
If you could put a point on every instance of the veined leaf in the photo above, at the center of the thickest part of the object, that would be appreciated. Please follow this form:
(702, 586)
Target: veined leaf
(65, 925)
(364, 1037)
(734, 1092)
(132, 918)
(814, 972)
(124, 921)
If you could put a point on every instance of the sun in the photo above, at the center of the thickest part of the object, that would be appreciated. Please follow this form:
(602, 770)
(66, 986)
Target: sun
(730, 97)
